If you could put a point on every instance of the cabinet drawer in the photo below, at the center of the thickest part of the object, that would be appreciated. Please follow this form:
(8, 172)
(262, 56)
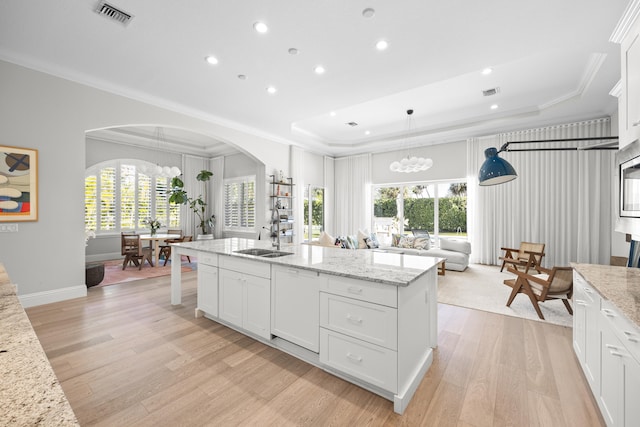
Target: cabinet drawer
(378, 293)
(374, 323)
(368, 362)
(246, 266)
(627, 332)
(208, 259)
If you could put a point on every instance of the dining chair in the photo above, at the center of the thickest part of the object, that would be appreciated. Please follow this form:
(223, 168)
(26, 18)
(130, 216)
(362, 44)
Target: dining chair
(133, 251)
(556, 283)
(165, 250)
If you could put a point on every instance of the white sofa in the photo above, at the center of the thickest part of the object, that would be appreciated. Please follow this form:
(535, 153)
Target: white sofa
(456, 252)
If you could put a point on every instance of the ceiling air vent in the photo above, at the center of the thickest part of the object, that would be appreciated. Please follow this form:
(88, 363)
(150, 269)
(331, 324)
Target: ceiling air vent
(111, 12)
(490, 92)
(352, 124)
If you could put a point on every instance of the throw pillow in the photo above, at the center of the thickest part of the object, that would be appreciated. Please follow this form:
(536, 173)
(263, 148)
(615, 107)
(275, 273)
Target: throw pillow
(406, 242)
(353, 242)
(362, 235)
(374, 241)
(421, 243)
(326, 240)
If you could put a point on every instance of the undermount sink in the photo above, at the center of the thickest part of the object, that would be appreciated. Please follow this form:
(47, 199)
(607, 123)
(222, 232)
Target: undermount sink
(265, 253)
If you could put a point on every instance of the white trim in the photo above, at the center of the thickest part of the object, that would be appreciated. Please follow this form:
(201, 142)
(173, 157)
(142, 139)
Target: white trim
(47, 297)
(626, 22)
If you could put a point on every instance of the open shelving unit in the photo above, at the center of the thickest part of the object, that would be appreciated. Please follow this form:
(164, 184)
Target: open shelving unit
(282, 200)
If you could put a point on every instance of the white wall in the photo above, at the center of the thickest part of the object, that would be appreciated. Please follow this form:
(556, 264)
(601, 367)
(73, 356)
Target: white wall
(45, 258)
(449, 162)
(239, 165)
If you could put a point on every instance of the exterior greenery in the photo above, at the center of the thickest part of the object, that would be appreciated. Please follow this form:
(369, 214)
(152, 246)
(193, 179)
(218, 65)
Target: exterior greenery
(419, 211)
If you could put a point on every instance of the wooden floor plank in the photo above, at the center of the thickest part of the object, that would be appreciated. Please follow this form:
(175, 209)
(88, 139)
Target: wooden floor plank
(125, 356)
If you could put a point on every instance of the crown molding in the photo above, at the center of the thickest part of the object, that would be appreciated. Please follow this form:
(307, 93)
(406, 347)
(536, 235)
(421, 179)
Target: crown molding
(626, 22)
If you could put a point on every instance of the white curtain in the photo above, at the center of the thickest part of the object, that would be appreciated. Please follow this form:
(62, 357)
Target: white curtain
(216, 199)
(352, 194)
(296, 158)
(191, 167)
(560, 198)
(329, 194)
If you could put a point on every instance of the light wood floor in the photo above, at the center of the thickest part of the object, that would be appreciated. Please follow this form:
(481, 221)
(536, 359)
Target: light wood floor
(126, 357)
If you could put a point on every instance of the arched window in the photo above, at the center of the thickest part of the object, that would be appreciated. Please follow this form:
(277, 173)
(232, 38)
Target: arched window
(119, 196)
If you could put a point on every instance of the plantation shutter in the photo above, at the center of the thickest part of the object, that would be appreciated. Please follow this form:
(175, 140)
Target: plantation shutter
(127, 197)
(91, 202)
(240, 203)
(108, 199)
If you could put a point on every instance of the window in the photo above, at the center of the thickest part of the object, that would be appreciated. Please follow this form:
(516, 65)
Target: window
(313, 212)
(440, 208)
(119, 197)
(240, 204)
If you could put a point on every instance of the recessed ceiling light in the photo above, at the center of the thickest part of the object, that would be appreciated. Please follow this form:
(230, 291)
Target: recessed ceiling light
(382, 45)
(293, 51)
(332, 114)
(494, 107)
(260, 27)
(487, 71)
(211, 60)
(319, 69)
(271, 90)
(368, 12)
(242, 77)
(367, 132)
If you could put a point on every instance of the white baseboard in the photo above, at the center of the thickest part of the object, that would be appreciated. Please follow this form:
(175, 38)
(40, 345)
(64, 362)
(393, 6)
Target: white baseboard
(103, 257)
(47, 297)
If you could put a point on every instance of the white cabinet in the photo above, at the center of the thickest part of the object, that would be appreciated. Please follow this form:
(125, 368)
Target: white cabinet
(608, 347)
(620, 375)
(586, 341)
(208, 284)
(295, 306)
(628, 102)
(359, 334)
(208, 289)
(245, 298)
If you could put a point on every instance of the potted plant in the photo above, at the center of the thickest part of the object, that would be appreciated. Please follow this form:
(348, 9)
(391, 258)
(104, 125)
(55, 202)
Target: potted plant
(179, 196)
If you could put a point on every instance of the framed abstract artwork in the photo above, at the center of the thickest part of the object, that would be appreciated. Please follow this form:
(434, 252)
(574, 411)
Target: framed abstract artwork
(18, 184)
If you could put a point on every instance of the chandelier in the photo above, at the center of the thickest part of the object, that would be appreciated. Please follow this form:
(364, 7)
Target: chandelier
(410, 164)
(157, 170)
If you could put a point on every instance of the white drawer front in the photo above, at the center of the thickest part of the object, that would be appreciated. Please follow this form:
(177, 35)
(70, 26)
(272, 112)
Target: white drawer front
(208, 259)
(245, 265)
(628, 333)
(374, 323)
(371, 363)
(366, 291)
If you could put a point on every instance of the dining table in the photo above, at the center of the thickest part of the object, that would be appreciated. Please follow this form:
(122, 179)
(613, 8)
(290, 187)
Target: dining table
(154, 241)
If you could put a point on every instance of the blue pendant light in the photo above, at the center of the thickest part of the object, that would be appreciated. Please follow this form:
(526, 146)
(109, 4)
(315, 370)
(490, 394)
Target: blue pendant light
(495, 170)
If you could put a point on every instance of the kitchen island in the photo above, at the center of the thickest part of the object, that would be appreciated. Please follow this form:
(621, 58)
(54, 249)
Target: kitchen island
(368, 317)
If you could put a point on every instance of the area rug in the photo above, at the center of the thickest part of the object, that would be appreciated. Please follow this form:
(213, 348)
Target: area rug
(113, 272)
(480, 287)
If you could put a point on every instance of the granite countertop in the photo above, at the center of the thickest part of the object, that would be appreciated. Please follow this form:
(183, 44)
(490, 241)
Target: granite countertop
(370, 265)
(30, 393)
(619, 285)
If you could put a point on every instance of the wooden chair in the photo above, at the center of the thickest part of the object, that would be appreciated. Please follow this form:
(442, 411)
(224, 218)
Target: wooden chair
(133, 252)
(556, 283)
(165, 250)
(529, 255)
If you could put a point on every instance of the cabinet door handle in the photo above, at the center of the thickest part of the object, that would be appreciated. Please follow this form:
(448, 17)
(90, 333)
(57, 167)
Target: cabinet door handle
(354, 358)
(636, 123)
(292, 271)
(354, 289)
(580, 302)
(587, 290)
(354, 319)
(614, 350)
(608, 312)
(630, 336)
